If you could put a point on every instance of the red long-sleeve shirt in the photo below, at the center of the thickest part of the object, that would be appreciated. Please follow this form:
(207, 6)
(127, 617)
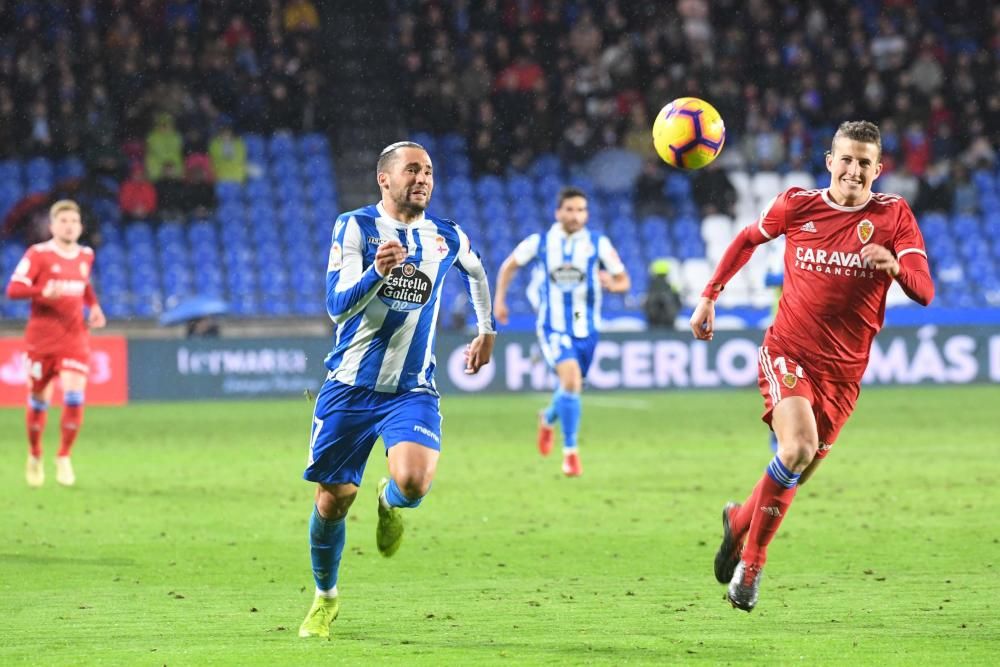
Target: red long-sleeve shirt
(832, 301)
(56, 325)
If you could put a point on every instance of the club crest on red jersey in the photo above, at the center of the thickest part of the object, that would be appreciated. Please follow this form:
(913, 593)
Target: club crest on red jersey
(789, 380)
(865, 230)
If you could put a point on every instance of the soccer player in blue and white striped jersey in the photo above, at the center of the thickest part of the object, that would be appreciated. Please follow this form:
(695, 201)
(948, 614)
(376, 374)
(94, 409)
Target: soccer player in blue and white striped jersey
(578, 265)
(383, 285)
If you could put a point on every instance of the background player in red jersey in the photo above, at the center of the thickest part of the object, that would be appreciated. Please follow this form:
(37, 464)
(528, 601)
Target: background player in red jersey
(55, 275)
(844, 247)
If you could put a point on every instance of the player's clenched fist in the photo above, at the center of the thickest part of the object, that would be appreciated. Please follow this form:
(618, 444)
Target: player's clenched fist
(881, 258)
(389, 255)
(703, 319)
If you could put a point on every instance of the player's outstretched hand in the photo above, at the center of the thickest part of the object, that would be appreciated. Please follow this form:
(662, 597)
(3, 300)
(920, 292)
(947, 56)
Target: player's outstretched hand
(388, 256)
(881, 257)
(51, 290)
(478, 353)
(501, 312)
(703, 319)
(96, 319)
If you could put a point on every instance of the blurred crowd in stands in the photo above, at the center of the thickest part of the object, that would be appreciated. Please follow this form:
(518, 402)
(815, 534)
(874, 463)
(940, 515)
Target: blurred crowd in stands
(522, 78)
(156, 93)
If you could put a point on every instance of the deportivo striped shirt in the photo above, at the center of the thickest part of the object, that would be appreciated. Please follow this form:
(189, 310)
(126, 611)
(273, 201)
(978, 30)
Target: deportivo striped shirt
(570, 297)
(386, 324)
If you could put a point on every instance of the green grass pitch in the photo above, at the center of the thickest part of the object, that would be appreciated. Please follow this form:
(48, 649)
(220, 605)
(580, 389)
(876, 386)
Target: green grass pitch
(185, 541)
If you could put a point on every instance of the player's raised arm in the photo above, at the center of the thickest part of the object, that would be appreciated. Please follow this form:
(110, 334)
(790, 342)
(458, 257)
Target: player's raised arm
(908, 265)
(525, 251)
(615, 278)
(476, 284)
(349, 285)
(22, 283)
(769, 226)
(479, 351)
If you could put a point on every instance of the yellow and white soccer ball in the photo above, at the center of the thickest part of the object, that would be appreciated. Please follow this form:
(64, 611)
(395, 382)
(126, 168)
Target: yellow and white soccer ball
(688, 133)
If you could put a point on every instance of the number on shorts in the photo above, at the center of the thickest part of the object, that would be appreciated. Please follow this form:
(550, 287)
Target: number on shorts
(317, 427)
(782, 366)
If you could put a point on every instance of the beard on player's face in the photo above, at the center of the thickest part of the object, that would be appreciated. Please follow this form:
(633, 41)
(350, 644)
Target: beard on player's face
(411, 198)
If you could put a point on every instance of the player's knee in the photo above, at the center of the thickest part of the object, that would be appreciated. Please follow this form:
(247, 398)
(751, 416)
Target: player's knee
(333, 502)
(798, 450)
(415, 484)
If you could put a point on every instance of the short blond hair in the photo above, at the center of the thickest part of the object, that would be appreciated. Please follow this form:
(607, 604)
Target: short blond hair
(63, 205)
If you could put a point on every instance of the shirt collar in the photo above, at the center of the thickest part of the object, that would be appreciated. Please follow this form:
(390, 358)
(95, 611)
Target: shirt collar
(399, 223)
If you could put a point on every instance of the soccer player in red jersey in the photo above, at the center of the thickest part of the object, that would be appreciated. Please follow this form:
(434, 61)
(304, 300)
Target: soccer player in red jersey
(844, 247)
(55, 275)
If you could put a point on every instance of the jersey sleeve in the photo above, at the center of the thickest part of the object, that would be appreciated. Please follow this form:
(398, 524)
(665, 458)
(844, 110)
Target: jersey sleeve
(908, 238)
(609, 256)
(527, 249)
(772, 223)
(914, 271)
(773, 220)
(349, 285)
(23, 282)
(473, 273)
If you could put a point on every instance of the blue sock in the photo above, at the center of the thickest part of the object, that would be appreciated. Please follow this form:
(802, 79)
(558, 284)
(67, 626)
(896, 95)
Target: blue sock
(568, 406)
(37, 405)
(552, 411)
(395, 498)
(73, 398)
(777, 471)
(326, 544)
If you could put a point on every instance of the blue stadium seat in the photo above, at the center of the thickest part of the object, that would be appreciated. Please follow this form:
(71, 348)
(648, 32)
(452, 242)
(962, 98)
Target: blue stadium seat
(318, 167)
(454, 143)
(547, 190)
(244, 304)
(933, 225)
(426, 140)
(520, 187)
(256, 147)
(313, 144)
(489, 188)
(275, 305)
(116, 305)
(227, 192)
(281, 144)
(457, 165)
(546, 165)
(70, 168)
(965, 225)
(309, 305)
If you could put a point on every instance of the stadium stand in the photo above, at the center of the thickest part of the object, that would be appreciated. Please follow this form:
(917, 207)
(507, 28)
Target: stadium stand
(471, 75)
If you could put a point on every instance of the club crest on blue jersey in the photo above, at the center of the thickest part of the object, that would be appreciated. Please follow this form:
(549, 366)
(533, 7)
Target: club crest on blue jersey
(406, 288)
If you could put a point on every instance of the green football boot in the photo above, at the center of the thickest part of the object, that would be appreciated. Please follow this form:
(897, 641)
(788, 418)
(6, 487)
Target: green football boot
(389, 533)
(322, 613)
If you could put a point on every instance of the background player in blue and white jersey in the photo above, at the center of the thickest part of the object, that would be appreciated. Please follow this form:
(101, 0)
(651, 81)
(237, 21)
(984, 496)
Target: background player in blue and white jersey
(383, 286)
(578, 264)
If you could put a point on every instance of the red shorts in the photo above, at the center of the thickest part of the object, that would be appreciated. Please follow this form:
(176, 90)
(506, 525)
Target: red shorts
(44, 368)
(781, 376)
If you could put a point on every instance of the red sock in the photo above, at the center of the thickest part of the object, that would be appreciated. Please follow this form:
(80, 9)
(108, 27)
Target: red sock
(739, 521)
(72, 420)
(36, 427)
(770, 507)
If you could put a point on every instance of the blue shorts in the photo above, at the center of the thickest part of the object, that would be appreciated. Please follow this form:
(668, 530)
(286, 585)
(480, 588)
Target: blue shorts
(348, 420)
(558, 347)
